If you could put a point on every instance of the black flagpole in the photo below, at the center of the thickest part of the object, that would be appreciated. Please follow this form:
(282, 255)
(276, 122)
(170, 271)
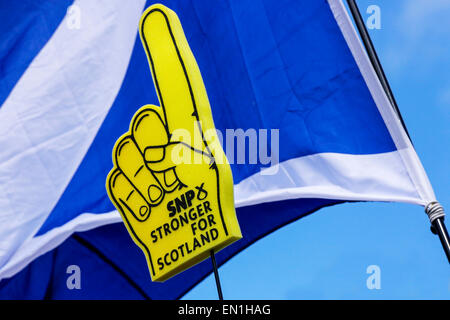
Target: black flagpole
(434, 210)
(374, 58)
(216, 275)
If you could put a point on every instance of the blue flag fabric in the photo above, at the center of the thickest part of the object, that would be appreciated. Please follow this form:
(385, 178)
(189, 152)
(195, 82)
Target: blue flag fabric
(74, 73)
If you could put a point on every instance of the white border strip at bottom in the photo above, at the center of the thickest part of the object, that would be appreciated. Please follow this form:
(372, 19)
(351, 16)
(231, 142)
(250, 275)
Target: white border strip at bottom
(375, 177)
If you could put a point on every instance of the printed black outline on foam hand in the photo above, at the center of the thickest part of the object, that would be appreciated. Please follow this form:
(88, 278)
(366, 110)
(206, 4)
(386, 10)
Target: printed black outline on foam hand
(116, 171)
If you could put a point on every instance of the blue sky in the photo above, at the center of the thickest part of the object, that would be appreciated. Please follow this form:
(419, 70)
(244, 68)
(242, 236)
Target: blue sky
(326, 255)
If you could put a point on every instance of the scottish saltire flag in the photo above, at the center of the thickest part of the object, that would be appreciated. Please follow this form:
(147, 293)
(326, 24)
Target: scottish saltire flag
(74, 72)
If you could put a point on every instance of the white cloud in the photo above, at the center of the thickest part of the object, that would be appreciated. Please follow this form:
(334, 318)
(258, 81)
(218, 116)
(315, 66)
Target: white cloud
(418, 18)
(421, 29)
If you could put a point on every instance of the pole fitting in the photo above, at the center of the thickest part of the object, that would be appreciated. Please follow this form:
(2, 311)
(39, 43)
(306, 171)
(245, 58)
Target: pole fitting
(434, 210)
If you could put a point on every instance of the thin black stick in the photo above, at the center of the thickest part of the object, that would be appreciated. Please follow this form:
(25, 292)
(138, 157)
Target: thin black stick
(216, 275)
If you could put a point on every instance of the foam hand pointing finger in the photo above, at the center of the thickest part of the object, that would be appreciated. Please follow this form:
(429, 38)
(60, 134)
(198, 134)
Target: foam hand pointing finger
(175, 197)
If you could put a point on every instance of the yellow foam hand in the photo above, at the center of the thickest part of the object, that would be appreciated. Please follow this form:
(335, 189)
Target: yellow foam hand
(171, 181)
